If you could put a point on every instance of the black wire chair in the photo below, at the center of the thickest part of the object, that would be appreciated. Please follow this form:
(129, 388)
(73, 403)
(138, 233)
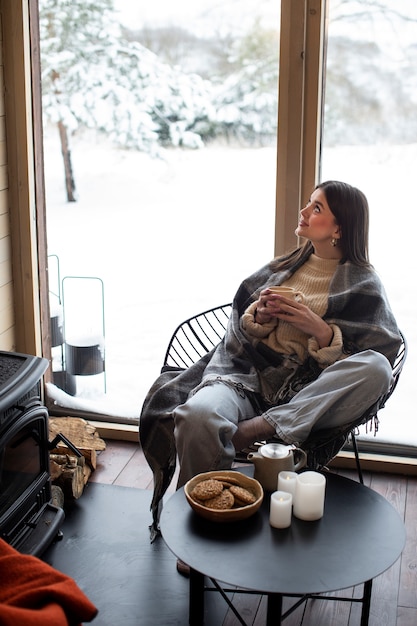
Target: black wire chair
(199, 334)
(196, 336)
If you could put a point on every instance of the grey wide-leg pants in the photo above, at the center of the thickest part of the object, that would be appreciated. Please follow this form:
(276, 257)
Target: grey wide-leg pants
(207, 421)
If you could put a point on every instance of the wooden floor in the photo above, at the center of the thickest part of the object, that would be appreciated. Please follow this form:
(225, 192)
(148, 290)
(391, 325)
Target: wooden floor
(394, 596)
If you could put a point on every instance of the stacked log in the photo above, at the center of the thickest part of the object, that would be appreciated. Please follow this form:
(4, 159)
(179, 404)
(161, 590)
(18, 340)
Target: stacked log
(69, 471)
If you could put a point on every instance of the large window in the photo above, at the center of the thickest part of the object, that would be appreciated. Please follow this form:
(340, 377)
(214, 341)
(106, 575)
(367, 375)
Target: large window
(170, 220)
(166, 116)
(370, 140)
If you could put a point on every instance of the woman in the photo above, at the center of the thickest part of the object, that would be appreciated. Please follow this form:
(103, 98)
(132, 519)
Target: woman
(330, 358)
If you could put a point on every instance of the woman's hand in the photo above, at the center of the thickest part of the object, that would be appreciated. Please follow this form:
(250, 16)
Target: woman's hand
(263, 313)
(273, 306)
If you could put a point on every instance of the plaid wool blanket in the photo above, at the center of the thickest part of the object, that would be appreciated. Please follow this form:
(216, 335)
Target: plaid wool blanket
(357, 304)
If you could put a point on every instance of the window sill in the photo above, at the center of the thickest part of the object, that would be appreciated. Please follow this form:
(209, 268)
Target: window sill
(377, 463)
(121, 432)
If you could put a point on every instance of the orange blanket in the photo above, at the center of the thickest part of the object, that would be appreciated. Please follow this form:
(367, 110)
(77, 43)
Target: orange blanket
(32, 593)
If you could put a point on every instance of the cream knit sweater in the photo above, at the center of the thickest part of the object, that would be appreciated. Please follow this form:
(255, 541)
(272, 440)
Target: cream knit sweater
(313, 280)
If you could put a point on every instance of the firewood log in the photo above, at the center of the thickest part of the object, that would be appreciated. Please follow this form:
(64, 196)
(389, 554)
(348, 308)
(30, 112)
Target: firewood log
(71, 481)
(78, 431)
(69, 474)
(90, 456)
(67, 459)
(57, 498)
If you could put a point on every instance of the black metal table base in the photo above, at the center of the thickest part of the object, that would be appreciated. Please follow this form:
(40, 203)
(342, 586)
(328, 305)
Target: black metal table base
(274, 614)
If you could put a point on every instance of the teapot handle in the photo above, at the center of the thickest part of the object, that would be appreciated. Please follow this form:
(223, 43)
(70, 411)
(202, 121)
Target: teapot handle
(302, 458)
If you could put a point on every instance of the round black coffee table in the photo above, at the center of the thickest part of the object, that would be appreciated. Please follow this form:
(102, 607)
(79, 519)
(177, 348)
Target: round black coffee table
(359, 537)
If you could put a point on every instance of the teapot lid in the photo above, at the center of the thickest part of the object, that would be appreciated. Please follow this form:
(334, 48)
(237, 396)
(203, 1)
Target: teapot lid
(274, 450)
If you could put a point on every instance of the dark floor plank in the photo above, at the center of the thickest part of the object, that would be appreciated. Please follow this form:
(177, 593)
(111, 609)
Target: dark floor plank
(406, 617)
(135, 473)
(408, 579)
(384, 587)
(327, 612)
(293, 619)
(247, 606)
(112, 461)
(393, 488)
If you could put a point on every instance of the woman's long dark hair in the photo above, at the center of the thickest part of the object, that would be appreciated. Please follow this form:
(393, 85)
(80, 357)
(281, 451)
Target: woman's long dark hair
(351, 211)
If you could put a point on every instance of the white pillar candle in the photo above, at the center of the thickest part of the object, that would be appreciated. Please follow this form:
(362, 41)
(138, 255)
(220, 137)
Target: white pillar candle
(287, 481)
(309, 496)
(281, 509)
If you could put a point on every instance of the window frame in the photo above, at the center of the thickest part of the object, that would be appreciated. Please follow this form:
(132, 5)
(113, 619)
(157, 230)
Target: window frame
(24, 142)
(302, 53)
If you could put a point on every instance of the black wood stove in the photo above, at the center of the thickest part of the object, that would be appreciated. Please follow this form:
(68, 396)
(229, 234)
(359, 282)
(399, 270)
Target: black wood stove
(28, 519)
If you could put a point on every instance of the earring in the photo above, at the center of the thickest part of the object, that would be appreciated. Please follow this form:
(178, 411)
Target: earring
(334, 242)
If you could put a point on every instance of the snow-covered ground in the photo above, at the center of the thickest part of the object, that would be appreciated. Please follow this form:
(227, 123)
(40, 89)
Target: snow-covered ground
(169, 238)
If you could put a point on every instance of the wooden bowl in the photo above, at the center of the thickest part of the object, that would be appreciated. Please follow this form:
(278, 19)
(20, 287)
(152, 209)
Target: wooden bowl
(225, 515)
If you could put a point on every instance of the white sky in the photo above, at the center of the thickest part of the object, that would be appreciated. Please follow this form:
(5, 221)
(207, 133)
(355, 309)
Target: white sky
(134, 13)
(184, 12)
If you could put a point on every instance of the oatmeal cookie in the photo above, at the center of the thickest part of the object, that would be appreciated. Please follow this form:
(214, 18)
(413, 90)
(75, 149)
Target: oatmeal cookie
(207, 489)
(242, 496)
(223, 501)
(227, 480)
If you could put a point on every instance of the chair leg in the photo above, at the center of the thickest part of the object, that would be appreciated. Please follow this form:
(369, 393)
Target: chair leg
(356, 451)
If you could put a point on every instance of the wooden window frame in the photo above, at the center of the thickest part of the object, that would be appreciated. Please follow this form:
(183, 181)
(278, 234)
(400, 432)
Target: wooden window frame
(302, 55)
(24, 141)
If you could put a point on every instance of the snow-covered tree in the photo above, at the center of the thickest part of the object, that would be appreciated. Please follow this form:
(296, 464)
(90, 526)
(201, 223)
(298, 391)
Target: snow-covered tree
(247, 99)
(93, 78)
(71, 33)
(96, 75)
(242, 69)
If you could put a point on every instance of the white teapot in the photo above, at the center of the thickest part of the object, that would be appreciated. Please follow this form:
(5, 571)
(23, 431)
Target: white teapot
(273, 458)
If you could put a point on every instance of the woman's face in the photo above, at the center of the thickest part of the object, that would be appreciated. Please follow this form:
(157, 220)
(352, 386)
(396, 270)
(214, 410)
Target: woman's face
(318, 224)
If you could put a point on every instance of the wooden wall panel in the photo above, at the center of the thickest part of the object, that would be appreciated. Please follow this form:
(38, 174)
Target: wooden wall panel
(7, 315)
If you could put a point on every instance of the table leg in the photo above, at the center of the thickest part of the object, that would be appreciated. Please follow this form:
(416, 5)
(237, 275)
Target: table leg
(196, 599)
(366, 603)
(274, 610)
